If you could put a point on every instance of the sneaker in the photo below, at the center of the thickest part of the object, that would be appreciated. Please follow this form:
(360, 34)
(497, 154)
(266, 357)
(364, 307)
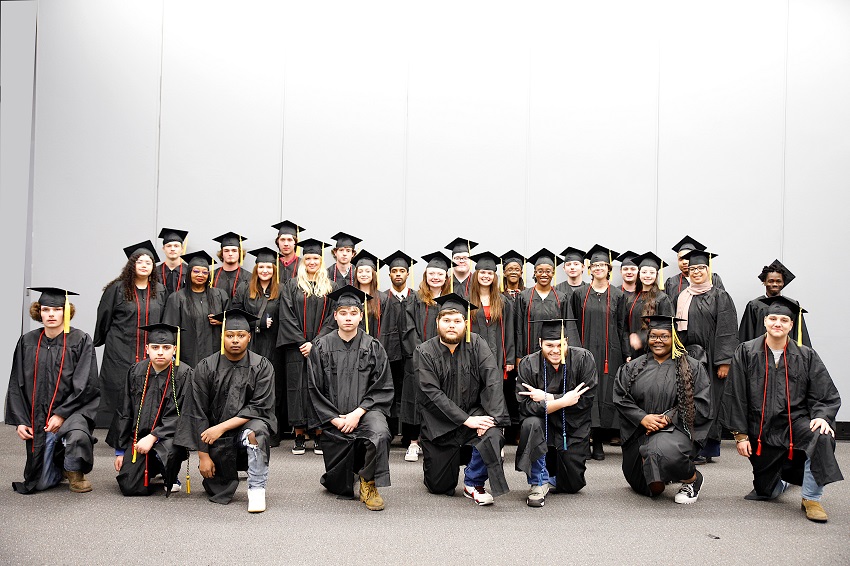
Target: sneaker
(537, 495)
(598, 452)
(412, 454)
(78, 482)
(299, 447)
(176, 486)
(317, 446)
(689, 492)
(370, 497)
(814, 511)
(256, 500)
(478, 494)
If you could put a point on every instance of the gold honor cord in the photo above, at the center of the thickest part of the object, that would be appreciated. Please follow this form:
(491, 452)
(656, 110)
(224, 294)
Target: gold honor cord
(211, 272)
(177, 352)
(66, 315)
(678, 348)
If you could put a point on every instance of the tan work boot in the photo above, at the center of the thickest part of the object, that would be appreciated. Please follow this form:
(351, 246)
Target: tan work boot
(370, 496)
(814, 511)
(78, 481)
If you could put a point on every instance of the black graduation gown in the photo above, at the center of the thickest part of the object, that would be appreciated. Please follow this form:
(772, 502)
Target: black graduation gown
(629, 295)
(300, 321)
(712, 324)
(287, 272)
(643, 386)
(341, 378)
(220, 390)
(117, 330)
(263, 337)
(190, 311)
(678, 283)
(591, 309)
(568, 290)
(340, 280)
(419, 324)
(812, 395)
(500, 335)
(77, 397)
(392, 315)
(537, 436)
(159, 415)
(555, 305)
(462, 289)
(634, 317)
(173, 279)
(454, 387)
(752, 323)
(230, 281)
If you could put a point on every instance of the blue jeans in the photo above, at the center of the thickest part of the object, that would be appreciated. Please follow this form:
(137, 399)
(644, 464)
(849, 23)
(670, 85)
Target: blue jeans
(811, 490)
(50, 474)
(475, 473)
(539, 473)
(258, 467)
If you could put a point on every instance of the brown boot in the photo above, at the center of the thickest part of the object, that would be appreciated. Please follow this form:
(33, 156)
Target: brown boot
(78, 481)
(814, 511)
(370, 496)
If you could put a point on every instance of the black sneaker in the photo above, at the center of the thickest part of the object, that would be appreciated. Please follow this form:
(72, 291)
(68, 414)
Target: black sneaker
(317, 446)
(689, 492)
(299, 447)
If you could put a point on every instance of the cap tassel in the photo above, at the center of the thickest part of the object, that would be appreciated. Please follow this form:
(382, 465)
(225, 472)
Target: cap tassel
(223, 324)
(366, 311)
(241, 252)
(661, 277)
(524, 283)
(678, 347)
(212, 267)
(468, 324)
(451, 280)
(758, 448)
(555, 276)
(709, 268)
(66, 315)
(184, 245)
(378, 274)
(177, 352)
(799, 328)
(502, 276)
(410, 271)
(563, 345)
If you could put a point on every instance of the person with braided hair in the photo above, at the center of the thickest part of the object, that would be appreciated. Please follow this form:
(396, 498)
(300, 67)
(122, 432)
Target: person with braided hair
(142, 432)
(663, 398)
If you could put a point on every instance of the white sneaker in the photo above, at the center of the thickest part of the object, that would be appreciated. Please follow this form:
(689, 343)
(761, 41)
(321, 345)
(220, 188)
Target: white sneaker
(176, 487)
(478, 494)
(256, 500)
(412, 454)
(689, 492)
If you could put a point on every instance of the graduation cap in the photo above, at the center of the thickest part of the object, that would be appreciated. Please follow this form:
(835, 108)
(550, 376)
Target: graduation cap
(344, 240)
(627, 259)
(265, 255)
(314, 247)
(199, 258)
(169, 235)
(161, 333)
(351, 296)
(438, 260)
(553, 329)
(782, 305)
(649, 259)
(687, 243)
(56, 297)
(287, 227)
(600, 253)
(777, 267)
(461, 246)
(664, 322)
(234, 319)
(366, 258)
(700, 257)
(512, 256)
(453, 301)
(400, 259)
(544, 256)
(145, 247)
(573, 254)
(485, 260)
(232, 240)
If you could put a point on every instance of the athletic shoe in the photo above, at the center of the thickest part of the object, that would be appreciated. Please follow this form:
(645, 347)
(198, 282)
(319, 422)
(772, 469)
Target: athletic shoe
(537, 495)
(299, 447)
(478, 494)
(412, 454)
(256, 500)
(317, 446)
(689, 492)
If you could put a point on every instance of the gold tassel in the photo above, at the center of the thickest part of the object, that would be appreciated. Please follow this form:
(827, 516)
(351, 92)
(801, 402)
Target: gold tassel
(188, 484)
(524, 284)
(241, 252)
(709, 268)
(678, 348)
(587, 265)
(377, 274)
(66, 314)
(366, 311)
(184, 245)
(134, 453)
(468, 324)
(177, 352)
(223, 324)
(661, 277)
(322, 260)
(297, 239)
(410, 274)
(211, 272)
(451, 274)
(555, 275)
(800, 328)
(502, 276)
(563, 345)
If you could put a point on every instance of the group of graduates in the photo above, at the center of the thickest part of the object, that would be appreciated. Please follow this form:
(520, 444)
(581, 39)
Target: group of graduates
(225, 362)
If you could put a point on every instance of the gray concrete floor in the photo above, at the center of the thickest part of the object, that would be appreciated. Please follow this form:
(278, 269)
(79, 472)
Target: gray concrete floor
(604, 524)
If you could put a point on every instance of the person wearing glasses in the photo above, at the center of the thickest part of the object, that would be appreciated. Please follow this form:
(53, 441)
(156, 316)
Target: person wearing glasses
(460, 270)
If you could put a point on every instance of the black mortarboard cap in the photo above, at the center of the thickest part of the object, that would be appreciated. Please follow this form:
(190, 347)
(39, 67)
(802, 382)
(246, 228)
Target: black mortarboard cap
(264, 255)
(573, 254)
(398, 259)
(287, 227)
(200, 258)
(366, 258)
(553, 328)
(512, 256)
(344, 240)
(543, 256)
(456, 302)
(161, 333)
(699, 257)
(687, 243)
(661, 322)
(51, 296)
(649, 259)
(780, 304)
(485, 260)
(230, 239)
(600, 253)
(461, 245)
(312, 246)
(349, 296)
(438, 260)
(627, 258)
(236, 319)
(145, 247)
(777, 267)
(169, 235)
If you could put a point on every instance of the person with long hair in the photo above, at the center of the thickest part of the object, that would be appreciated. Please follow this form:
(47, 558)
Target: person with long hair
(192, 309)
(648, 301)
(288, 234)
(420, 324)
(600, 313)
(366, 280)
(663, 398)
(135, 298)
(512, 281)
(306, 312)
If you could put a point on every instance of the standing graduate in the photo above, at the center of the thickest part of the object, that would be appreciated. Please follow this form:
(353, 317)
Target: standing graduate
(351, 395)
(710, 322)
(53, 396)
(306, 312)
(231, 415)
(230, 275)
(674, 285)
(573, 266)
(648, 301)
(775, 277)
(400, 265)
(135, 298)
(173, 271)
(288, 235)
(629, 273)
(366, 280)
(142, 432)
(419, 324)
(193, 308)
(459, 280)
(601, 310)
(462, 407)
(341, 272)
(513, 282)
(555, 389)
(663, 398)
(541, 302)
(781, 404)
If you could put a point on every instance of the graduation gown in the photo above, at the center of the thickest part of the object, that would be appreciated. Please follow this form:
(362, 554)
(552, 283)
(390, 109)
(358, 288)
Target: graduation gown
(678, 283)
(607, 341)
(391, 325)
(117, 330)
(500, 334)
(220, 390)
(462, 289)
(531, 307)
(568, 290)
(566, 430)
(230, 281)
(190, 311)
(712, 324)
(634, 317)
(419, 325)
(159, 415)
(263, 337)
(341, 280)
(643, 387)
(812, 395)
(287, 272)
(454, 387)
(77, 398)
(752, 323)
(301, 320)
(342, 377)
(173, 279)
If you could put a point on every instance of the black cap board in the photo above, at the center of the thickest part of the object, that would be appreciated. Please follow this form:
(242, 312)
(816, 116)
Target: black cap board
(287, 227)
(649, 259)
(777, 267)
(199, 258)
(455, 302)
(366, 258)
(783, 305)
(438, 260)
(399, 259)
(145, 247)
(543, 257)
(627, 259)
(573, 254)
(553, 328)
(313, 246)
(461, 245)
(161, 333)
(344, 240)
(485, 260)
(600, 253)
(349, 296)
(512, 256)
(230, 239)
(235, 319)
(169, 235)
(687, 243)
(51, 296)
(699, 257)
(661, 322)
(264, 255)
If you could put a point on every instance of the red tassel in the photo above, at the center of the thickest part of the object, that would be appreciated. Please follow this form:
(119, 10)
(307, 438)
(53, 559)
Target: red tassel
(758, 448)
(505, 375)
(605, 371)
(791, 451)
(146, 470)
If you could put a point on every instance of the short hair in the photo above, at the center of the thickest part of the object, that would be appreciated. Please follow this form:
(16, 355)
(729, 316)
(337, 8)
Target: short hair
(450, 311)
(35, 311)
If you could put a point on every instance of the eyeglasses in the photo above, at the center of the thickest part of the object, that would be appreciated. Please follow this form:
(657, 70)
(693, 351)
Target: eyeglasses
(599, 265)
(698, 268)
(659, 338)
(200, 272)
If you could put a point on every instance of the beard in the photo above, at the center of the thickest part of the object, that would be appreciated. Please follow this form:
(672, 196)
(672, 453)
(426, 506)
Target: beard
(446, 339)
